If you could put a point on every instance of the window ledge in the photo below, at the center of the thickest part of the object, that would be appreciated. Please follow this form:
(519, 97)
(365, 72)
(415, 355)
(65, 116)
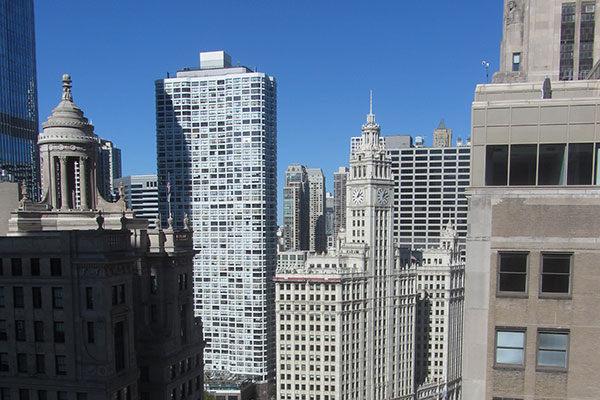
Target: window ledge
(513, 295)
(552, 370)
(509, 367)
(555, 296)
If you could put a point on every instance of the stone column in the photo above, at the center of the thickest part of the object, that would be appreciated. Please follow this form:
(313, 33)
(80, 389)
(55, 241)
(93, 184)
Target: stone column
(64, 189)
(83, 182)
(52, 183)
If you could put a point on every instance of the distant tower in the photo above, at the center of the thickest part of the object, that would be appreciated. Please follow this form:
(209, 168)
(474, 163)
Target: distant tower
(295, 208)
(109, 168)
(317, 240)
(339, 200)
(68, 150)
(442, 136)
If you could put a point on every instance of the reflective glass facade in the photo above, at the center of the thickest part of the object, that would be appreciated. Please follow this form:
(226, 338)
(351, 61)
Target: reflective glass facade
(19, 158)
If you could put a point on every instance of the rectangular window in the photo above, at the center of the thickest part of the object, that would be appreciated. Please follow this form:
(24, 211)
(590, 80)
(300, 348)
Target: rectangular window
(556, 274)
(42, 395)
(496, 165)
(34, 263)
(552, 349)
(17, 267)
(21, 362)
(40, 363)
(61, 396)
(55, 267)
(510, 347)
(3, 362)
(119, 343)
(516, 62)
(36, 297)
(38, 331)
(89, 298)
(59, 332)
(61, 365)
(553, 167)
(91, 334)
(20, 334)
(3, 330)
(512, 272)
(1, 296)
(523, 160)
(23, 394)
(18, 297)
(57, 297)
(580, 168)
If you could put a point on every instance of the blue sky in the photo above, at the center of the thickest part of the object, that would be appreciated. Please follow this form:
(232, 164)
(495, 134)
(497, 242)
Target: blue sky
(421, 59)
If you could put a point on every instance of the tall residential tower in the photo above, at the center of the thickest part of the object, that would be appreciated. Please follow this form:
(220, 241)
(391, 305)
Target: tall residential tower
(216, 144)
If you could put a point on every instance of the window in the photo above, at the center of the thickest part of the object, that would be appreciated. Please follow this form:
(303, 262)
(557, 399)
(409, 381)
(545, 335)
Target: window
(552, 349)
(59, 332)
(61, 365)
(36, 297)
(119, 343)
(17, 267)
(18, 297)
(89, 298)
(3, 331)
(20, 330)
(3, 362)
(510, 346)
(21, 362)
(516, 62)
(38, 331)
(118, 294)
(512, 272)
(42, 395)
(61, 396)
(556, 274)
(55, 267)
(1, 296)
(40, 363)
(35, 266)
(23, 394)
(91, 336)
(57, 297)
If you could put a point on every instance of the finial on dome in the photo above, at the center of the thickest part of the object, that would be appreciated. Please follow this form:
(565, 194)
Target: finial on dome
(66, 79)
(371, 103)
(371, 116)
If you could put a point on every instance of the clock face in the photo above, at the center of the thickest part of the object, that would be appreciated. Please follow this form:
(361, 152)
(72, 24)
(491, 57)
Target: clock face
(357, 196)
(383, 196)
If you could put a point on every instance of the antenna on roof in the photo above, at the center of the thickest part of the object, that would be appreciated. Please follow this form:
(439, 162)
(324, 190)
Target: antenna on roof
(371, 103)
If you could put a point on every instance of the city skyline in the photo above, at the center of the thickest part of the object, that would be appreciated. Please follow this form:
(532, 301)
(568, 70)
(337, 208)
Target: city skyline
(317, 66)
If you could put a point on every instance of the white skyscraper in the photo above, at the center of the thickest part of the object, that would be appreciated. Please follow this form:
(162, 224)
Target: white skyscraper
(216, 143)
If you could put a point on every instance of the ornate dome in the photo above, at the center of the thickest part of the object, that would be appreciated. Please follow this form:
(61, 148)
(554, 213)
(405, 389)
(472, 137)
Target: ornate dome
(67, 123)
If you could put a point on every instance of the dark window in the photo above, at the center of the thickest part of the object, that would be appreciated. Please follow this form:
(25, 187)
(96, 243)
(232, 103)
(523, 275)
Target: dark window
(23, 394)
(1, 296)
(20, 334)
(36, 297)
(3, 362)
(516, 62)
(18, 297)
(42, 395)
(512, 272)
(82, 396)
(59, 332)
(552, 349)
(3, 330)
(580, 168)
(523, 160)
(17, 267)
(119, 343)
(496, 165)
(35, 266)
(552, 164)
(57, 297)
(21, 362)
(91, 334)
(510, 347)
(556, 273)
(38, 331)
(55, 267)
(61, 395)
(153, 284)
(40, 363)
(61, 367)
(89, 298)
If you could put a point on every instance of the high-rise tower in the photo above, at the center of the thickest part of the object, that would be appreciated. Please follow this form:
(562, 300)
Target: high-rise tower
(19, 157)
(216, 144)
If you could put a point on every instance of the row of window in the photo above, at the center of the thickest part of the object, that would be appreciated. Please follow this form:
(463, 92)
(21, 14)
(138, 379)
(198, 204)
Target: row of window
(25, 394)
(39, 331)
(555, 273)
(60, 363)
(17, 268)
(36, 297)
(551, 352)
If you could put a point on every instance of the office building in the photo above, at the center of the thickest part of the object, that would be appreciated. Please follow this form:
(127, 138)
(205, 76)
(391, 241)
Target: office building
(216, 151)
(533, 217)
(295, 208)
(19, 156)
(442, 136)
(141, 196)
(93, 305)
(317, 240)
(554, 39)
(346, 319)
(339, 200)
(439, 320)
(109, 168)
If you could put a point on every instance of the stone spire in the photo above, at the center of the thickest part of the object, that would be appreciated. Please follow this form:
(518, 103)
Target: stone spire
(370, 130)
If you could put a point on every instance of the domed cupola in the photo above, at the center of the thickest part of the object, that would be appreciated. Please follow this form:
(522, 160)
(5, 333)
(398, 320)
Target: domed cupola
(68, 151)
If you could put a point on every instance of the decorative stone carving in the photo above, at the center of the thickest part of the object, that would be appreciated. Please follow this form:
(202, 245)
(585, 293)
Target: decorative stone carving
(513, 13)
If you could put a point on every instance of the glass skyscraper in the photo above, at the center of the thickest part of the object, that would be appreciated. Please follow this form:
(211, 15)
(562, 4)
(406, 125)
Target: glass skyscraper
(19, 157)
(216, 143)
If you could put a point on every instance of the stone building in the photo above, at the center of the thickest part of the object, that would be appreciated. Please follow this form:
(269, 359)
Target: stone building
(345, 320)
(92, 304)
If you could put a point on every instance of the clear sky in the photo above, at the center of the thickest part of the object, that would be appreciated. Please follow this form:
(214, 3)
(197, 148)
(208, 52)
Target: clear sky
(422, 59)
